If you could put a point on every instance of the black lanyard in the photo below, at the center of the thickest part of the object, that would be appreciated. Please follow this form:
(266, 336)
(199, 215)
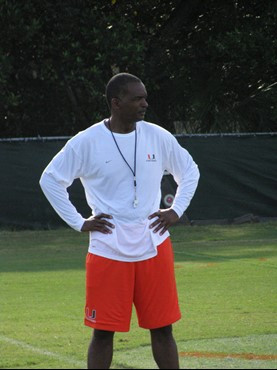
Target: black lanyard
(135, 204)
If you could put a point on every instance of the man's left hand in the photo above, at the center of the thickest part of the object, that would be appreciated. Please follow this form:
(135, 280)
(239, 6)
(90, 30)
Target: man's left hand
(166, 218)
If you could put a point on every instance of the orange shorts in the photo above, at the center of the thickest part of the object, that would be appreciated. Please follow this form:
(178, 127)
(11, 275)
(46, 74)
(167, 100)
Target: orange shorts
(113, 286)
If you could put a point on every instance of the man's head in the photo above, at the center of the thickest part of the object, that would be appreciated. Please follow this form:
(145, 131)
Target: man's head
(126, 96)
(118, 86)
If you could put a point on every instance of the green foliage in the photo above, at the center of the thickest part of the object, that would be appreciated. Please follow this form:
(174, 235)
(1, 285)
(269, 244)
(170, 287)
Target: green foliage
(209, 65)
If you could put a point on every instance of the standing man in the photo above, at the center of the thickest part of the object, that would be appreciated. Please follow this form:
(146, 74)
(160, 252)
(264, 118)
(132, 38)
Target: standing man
(120, 162)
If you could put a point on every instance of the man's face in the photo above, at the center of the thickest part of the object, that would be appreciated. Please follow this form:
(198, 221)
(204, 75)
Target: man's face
(132, 104)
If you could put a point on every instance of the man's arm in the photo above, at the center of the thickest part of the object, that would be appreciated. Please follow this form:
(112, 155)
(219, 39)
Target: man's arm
(57, 195)
(56, 178)
(186, 174)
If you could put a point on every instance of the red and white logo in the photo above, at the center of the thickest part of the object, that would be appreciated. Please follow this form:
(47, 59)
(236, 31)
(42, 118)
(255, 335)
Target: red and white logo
(90, 317)
(151, 158)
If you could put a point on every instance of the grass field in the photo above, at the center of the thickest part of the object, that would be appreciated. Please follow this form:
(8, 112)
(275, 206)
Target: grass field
(227, 283)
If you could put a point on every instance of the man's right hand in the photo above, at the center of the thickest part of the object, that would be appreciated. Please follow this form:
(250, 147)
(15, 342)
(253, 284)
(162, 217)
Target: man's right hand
(98, 223)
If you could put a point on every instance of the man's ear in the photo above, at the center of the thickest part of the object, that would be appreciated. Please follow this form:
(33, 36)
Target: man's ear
(115, 102)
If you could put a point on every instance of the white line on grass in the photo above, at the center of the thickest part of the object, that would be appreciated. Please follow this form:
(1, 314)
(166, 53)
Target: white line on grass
(222, 241)
(69, 360)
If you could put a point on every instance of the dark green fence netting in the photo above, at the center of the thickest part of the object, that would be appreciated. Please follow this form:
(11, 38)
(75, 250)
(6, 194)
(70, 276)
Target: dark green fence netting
(238, 176)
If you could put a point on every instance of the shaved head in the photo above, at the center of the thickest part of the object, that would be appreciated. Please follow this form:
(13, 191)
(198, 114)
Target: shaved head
(117, 86)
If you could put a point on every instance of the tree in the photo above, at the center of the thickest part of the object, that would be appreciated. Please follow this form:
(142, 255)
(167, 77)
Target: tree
(209, 65)
(57, 58)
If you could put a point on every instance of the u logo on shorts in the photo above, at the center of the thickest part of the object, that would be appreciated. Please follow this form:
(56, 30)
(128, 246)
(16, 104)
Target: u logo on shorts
(91, 317)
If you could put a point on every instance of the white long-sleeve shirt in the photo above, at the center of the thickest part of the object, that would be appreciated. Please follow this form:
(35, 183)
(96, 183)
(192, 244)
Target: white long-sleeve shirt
(108, 182)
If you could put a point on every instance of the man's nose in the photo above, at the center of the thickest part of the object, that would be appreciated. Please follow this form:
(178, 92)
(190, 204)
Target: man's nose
(144, 103)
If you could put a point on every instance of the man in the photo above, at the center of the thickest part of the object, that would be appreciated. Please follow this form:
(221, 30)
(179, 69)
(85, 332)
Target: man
(120, 162)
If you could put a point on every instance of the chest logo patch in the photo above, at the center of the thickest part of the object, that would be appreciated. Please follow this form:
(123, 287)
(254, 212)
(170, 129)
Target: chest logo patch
(151, 158)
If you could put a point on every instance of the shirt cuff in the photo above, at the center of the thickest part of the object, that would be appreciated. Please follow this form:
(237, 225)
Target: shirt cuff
(178, 211)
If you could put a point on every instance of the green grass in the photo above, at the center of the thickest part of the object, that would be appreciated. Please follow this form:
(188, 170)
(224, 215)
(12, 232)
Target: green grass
(226, 277)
